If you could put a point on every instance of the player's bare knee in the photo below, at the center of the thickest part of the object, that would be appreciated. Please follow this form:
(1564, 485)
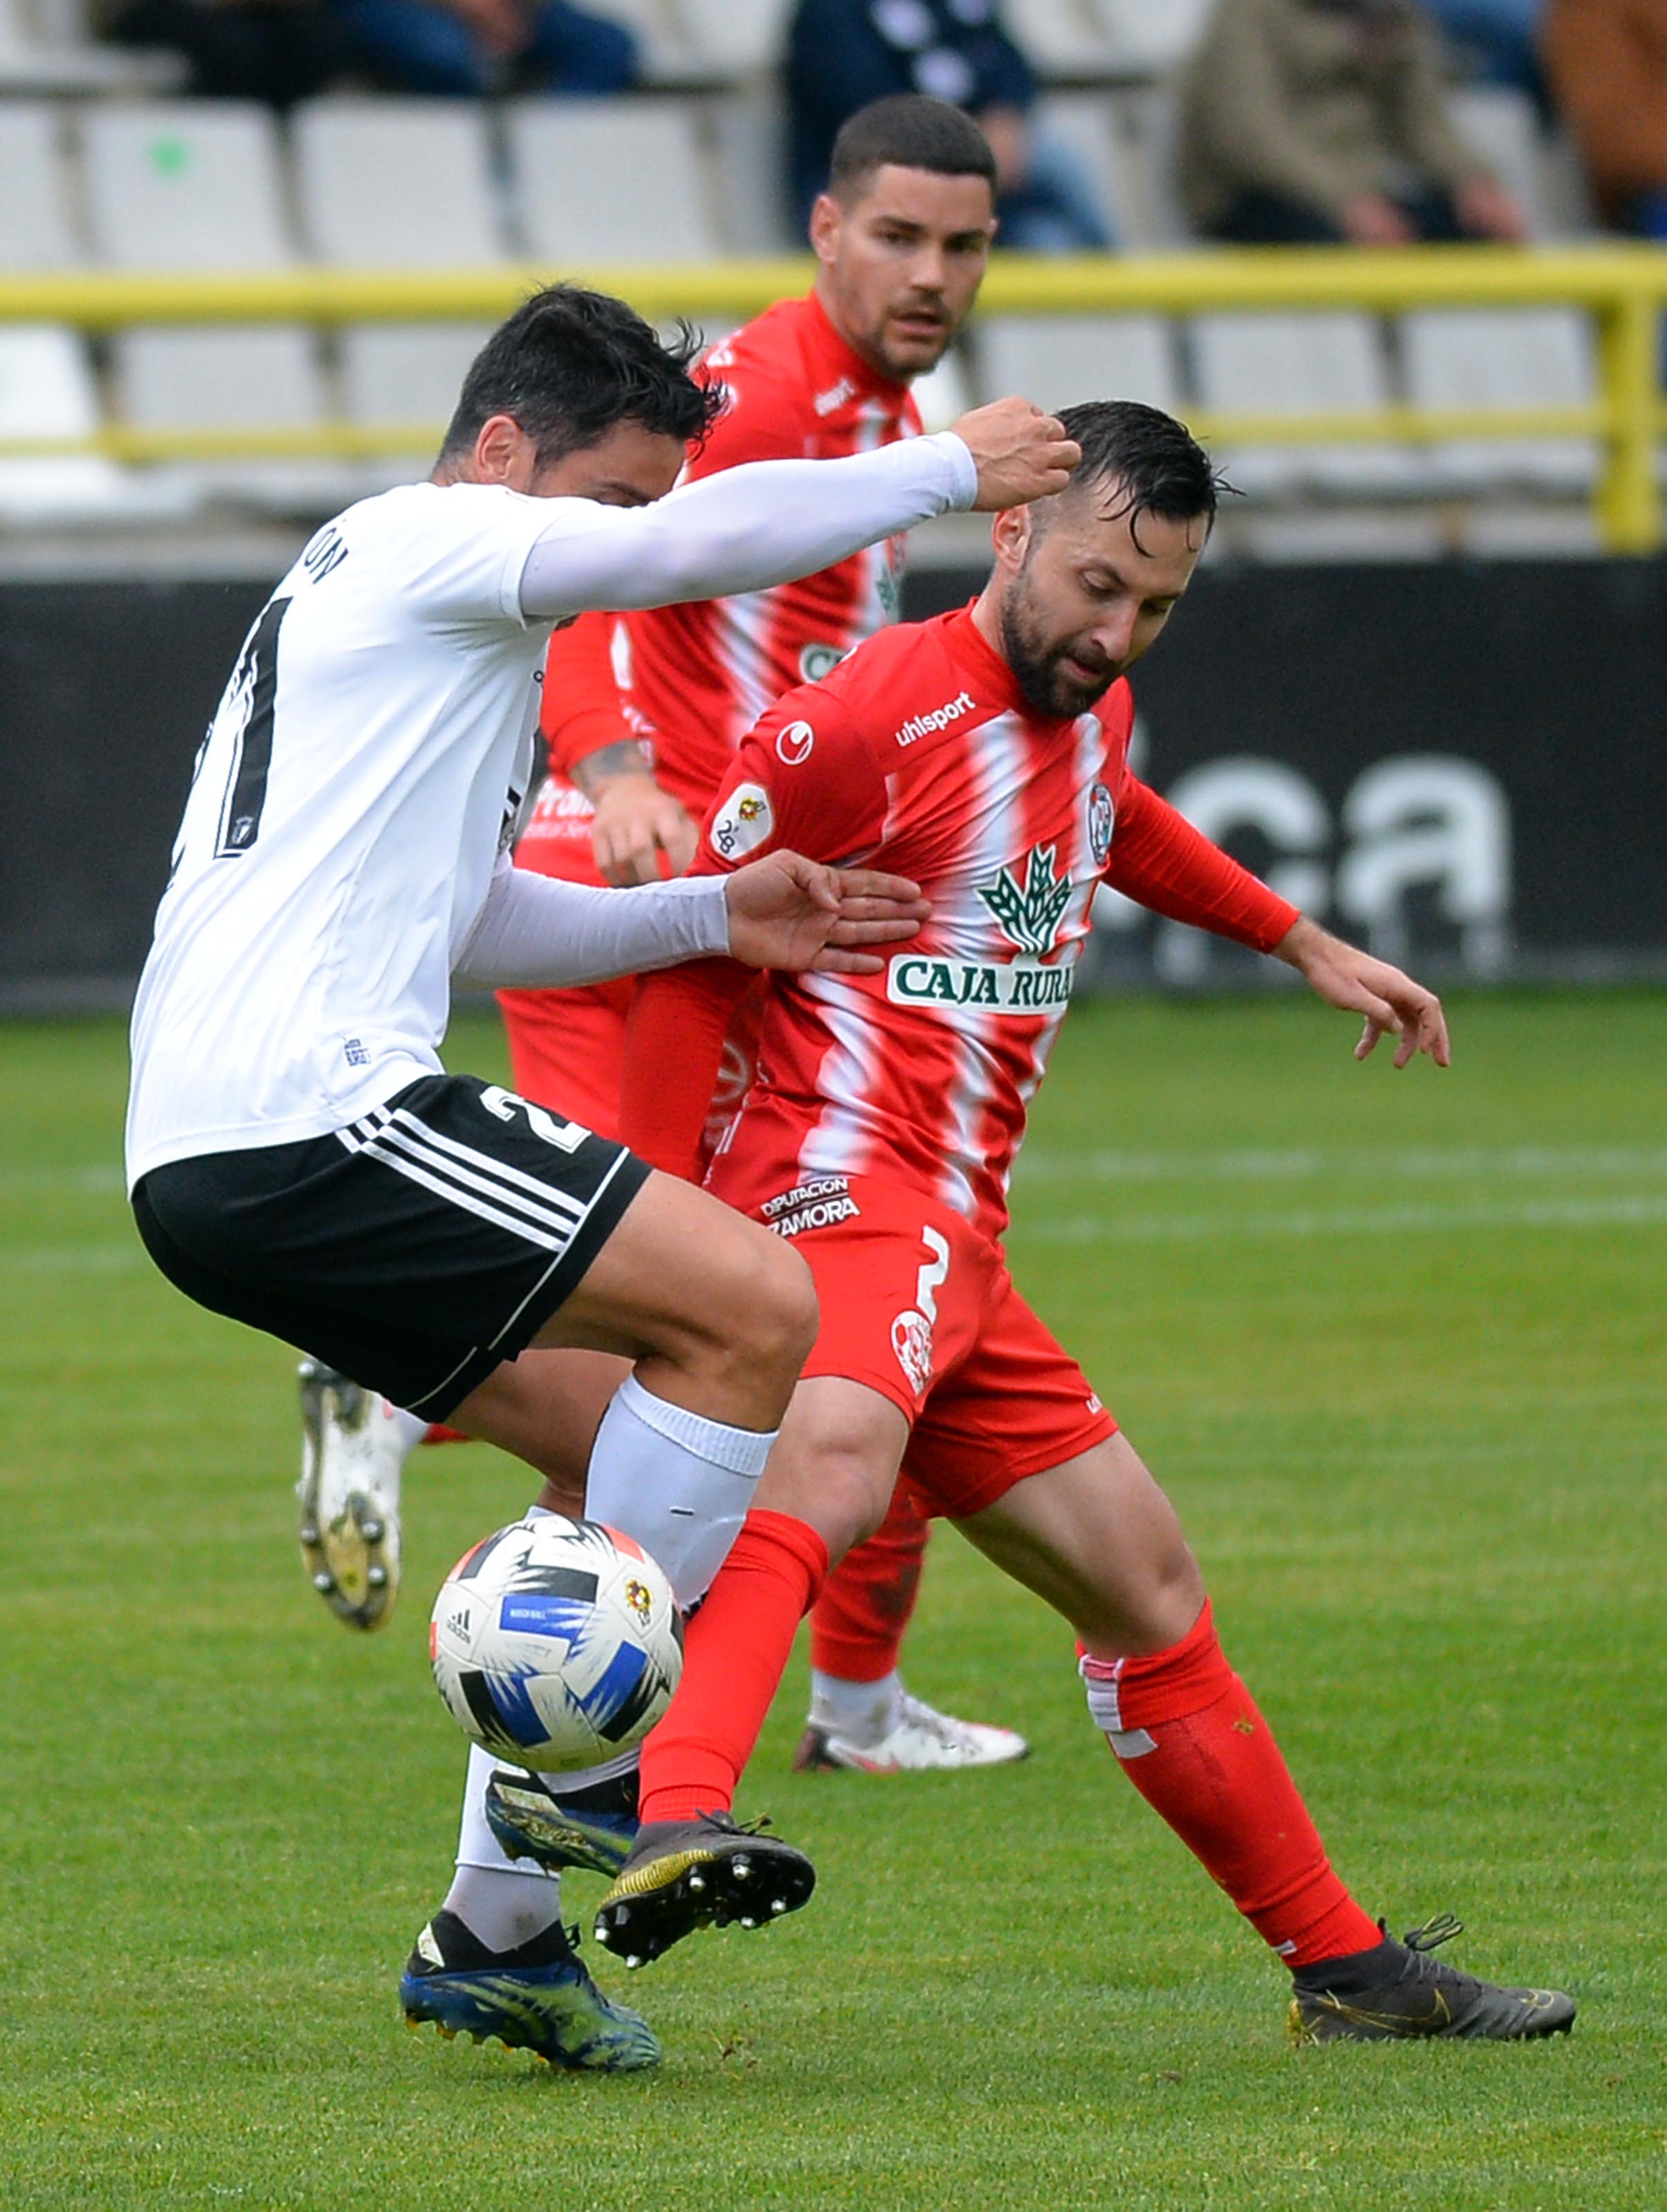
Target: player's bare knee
(771, 1321)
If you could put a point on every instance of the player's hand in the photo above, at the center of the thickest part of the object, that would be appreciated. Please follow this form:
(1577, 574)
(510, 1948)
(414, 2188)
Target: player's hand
(636, 822)
(1020, 453)
(1392, 1003)
(788, 912)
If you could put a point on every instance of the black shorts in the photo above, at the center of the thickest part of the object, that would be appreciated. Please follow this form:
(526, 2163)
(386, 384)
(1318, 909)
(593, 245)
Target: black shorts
(414, 1249)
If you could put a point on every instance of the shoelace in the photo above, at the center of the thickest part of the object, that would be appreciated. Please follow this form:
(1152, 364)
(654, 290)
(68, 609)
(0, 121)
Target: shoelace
(1441, 1930)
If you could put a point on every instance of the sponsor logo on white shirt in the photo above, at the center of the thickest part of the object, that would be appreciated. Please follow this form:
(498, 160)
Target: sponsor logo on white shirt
(935, 718)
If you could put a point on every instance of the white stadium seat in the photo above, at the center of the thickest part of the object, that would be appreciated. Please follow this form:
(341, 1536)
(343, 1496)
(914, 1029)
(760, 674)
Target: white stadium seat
(406, 372)
(610, 180)
(47, 391)
(1151, 37)
(185, 185)
(1081, 123)
(733, 38)
(1061, 37)
(1505, 357)
(397, 183)
(1060, 360)
(749, 153)
(35, 229)
(1502, 126)
(1281, 364)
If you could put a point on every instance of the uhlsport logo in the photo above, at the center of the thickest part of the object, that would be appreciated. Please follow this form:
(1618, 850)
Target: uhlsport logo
(743, 823)
(794, 742)
(935, 718)
(1030, 913)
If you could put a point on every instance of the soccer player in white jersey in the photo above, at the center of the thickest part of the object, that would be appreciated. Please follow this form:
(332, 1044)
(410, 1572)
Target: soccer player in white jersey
(298, 1158)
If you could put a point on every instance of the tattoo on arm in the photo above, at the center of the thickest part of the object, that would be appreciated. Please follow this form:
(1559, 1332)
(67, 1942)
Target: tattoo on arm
(601, 767)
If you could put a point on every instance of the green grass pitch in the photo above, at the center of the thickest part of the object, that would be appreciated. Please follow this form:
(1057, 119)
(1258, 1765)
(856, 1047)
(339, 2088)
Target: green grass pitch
(1398, 1345)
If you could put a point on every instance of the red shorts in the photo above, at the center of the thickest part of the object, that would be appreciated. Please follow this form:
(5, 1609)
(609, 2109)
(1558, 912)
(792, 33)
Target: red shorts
(566, 1048)
(918, 1305)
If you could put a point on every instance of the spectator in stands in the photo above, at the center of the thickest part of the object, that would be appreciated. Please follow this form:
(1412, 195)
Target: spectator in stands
(276, 51)
(842, 54)
(1607, 61)
(1322, 122)
(1503, 35)
(465, 48)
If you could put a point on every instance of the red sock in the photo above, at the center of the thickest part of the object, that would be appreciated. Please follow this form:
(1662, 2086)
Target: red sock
(1187, 1733)
(857, 1629)
(736, 1648)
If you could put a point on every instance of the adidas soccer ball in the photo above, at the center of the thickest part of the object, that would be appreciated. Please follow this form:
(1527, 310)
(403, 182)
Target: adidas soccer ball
(557, 1643)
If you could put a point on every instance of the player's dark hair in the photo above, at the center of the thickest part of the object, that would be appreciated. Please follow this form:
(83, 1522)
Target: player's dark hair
(570, 364)
(909, 130)
(1153, 461)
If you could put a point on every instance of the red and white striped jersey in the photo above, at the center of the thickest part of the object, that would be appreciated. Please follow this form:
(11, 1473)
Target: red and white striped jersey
(919, 756)
(692, 680)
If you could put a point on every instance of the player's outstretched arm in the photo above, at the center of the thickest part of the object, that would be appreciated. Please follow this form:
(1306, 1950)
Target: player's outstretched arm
(788, 912)
(1391, 1002)
(1020, 453)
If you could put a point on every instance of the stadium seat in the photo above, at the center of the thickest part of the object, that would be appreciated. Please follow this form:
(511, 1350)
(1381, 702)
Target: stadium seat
(185, 185)
(407, 372)
(1062, 37)
(397, 183)
(749, 150)
(1505, 357)
(732, 39)
(1291, 364)
(1059, 360)
(47, 47)
(1150, 38)
(1502, 126)
(1145, 124)
(35, 229)
(1082, 121)
(47, 391)
(610, 180)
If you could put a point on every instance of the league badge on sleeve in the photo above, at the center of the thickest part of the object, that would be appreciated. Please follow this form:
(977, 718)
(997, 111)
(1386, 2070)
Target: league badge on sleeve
(742, 823)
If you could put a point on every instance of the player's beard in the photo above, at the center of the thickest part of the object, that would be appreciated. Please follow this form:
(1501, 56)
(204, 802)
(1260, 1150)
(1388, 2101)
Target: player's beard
(1036, 658)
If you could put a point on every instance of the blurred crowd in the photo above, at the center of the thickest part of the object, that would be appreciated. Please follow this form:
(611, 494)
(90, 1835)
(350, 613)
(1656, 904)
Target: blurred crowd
(1300, 121)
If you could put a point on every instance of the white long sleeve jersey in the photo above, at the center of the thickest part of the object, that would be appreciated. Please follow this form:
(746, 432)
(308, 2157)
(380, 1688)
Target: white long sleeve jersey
(361, 776)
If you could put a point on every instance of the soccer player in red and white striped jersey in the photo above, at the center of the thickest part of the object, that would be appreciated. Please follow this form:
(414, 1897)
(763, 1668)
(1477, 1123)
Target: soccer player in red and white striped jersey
(985, 756)
(643, 713)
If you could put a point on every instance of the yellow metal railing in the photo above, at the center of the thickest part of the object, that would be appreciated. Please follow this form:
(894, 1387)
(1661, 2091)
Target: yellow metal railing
(1623, 286)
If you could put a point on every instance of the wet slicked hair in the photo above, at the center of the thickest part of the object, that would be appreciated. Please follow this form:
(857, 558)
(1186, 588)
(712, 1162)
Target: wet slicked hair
(1152, 459)
(909, 130)
(569, 365)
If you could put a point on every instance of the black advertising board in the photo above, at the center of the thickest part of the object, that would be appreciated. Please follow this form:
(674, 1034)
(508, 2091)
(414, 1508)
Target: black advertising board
(1463, 764)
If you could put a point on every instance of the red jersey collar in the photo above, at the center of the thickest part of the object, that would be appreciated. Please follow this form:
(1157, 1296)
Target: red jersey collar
(832, 357)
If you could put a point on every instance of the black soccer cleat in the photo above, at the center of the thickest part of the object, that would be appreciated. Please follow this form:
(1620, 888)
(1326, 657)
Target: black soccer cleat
(704, 1873)
(1397, 1990)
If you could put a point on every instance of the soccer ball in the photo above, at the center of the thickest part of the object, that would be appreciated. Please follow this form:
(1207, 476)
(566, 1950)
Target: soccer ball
(557, 1643)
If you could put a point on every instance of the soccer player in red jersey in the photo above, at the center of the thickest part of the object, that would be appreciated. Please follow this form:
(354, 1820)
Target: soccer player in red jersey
(643, 715)
(985, 756)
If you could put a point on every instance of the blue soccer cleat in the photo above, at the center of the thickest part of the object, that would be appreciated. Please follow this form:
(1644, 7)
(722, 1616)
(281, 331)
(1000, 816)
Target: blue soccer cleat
(537, 1998)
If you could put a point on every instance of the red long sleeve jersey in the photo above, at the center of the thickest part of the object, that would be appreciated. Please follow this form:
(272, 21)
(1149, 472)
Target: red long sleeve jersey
(692, 680)
(919, 756)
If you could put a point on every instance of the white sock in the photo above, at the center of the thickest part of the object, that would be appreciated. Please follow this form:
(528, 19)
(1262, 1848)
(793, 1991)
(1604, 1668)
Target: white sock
(504, 1901)
(859, 1713)
(679, 1483)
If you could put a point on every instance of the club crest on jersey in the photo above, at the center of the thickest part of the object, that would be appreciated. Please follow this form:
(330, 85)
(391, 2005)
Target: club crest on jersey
(1100, 824)
(912, 1341)
(1029, 915)
(742, 823)
(794, 742)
